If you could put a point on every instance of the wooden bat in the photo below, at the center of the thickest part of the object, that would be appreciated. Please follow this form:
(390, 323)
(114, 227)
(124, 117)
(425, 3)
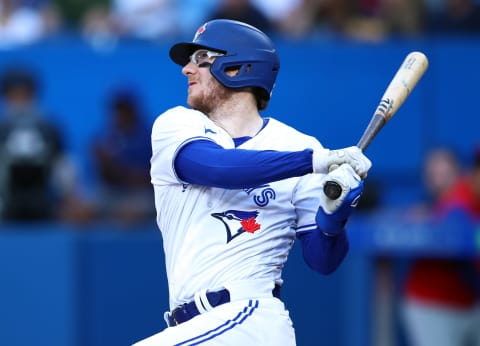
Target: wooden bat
(401, 85)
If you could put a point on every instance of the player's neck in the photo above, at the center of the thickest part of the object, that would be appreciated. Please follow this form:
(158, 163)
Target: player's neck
(239, 119)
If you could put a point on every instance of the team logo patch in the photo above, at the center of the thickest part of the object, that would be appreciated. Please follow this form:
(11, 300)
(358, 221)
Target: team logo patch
(200, 31)
(237, 222)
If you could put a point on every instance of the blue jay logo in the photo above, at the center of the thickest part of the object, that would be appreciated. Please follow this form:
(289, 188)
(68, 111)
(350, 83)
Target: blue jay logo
(237, 222)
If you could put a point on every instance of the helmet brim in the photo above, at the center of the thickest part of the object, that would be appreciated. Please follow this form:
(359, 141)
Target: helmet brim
(180, 52)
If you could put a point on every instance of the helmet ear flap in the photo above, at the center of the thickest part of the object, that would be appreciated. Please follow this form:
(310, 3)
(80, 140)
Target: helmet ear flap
(255, 73)
(261, 95)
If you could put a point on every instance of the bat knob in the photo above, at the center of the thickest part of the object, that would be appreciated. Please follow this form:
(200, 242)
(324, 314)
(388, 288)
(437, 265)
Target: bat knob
(332, 189)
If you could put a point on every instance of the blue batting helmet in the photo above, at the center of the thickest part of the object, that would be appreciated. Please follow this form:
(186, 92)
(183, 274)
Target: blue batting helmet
(245, 47)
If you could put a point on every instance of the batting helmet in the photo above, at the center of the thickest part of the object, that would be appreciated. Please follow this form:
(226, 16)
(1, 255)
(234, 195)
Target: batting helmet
(245, 47)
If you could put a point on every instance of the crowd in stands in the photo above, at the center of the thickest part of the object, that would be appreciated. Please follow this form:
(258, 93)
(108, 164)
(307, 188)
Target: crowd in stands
(39, 180)
(101, 21)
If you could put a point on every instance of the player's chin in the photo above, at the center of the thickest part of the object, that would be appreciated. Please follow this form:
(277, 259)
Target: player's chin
(195, 102)
(191, 101)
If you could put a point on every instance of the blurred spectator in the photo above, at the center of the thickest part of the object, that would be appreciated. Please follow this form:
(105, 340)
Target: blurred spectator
(122, 157)
(455, 16)
(191, 14)
(476, 177)
(74, 12)
(22, 24)
(280, 13)
(104, 23)
(322, 17)
(37, 181)
(366, 20)
(325, 18)
(402, 17)
(90, 18)
(442, 294)
(144, 19)
(244, 11)
(98, 27)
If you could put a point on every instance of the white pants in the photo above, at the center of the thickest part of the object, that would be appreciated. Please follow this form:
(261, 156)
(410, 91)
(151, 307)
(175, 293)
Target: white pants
(246, 322)
(428, 325)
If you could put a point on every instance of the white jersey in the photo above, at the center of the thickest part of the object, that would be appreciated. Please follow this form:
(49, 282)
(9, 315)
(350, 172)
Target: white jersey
(215, 236)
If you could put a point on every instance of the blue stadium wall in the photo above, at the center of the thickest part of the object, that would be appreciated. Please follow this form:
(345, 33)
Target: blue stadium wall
(105, 285)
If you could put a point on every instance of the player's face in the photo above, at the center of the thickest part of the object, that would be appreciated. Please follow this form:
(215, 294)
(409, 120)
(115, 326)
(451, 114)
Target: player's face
(205, 93)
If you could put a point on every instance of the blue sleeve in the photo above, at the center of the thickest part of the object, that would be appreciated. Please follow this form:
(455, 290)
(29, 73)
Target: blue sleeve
(324, 253)
(204, 162)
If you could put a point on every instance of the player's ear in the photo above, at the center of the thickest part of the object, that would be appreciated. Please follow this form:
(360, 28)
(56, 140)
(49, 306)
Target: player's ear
(232, 71)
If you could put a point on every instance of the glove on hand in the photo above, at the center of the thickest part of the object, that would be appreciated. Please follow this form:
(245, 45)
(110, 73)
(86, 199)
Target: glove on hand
(327, 160)
(333, 214)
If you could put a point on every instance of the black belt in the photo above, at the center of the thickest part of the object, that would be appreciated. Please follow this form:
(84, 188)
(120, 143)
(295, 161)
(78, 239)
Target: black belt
(187, 311)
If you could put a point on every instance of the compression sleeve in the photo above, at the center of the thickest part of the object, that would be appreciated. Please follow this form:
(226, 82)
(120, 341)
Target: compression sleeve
(206, 163)
(324, 253)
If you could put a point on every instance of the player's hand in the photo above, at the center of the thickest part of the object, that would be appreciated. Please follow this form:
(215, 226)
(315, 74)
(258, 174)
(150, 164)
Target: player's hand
(333, 214)
(326, 160)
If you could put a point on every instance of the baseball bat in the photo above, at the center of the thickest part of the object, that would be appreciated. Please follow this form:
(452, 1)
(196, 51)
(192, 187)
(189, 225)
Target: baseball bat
(409, 73)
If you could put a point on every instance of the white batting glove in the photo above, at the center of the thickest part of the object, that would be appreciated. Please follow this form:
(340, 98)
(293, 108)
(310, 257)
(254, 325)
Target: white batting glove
(326, 160)
(334, 213)
(348, 180)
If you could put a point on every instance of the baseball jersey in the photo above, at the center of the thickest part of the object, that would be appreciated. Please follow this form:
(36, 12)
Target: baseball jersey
(213, 236)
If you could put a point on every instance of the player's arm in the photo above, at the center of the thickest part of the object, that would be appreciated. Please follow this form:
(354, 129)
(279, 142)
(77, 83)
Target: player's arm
(203, 162)
(324, 253)
(325, 247)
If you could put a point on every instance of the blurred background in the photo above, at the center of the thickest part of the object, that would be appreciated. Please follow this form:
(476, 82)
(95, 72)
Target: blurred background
(81, 82)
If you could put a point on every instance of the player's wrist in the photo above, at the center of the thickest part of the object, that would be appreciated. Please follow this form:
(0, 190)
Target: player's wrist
(320, 162)
(333, 223)
(332, 215)
(330, 224)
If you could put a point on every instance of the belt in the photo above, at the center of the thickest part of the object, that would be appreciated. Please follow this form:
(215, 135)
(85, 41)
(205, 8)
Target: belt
(187, 311)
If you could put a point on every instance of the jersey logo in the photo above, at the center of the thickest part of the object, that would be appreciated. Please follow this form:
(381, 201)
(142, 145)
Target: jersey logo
(237, 222)
(209, 131)
(263, 198)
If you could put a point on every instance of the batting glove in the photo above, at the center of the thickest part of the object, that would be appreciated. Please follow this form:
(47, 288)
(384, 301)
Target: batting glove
(326, 160)
(333, 214)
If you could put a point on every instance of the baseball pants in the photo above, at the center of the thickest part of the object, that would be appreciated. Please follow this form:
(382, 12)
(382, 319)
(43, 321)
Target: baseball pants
(260, 321)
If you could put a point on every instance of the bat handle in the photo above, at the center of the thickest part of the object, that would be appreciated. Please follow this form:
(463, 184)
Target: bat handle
(332, 189)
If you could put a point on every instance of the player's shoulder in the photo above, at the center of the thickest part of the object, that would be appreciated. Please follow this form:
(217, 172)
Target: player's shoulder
(178, 115)
(285, 131)
(179, 112)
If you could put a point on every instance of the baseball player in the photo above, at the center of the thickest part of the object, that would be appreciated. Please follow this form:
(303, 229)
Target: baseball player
(234, 190)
